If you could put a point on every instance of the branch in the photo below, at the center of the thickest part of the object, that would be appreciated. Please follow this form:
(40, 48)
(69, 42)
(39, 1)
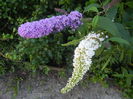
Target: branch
(60, 10)
(1, 54)
(56, 68)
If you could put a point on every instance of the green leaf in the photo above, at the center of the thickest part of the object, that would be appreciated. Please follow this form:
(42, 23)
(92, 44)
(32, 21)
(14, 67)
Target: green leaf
(92, 7)
(116, 29)
(105, 2)
(128, 80)
(73, 42)
(107, 24)
(129, 4)
(123, 33)
(111, 13)
(122, 56)
(121, 75)
(99, 51)
(46, 70)
(124, 70)
(119, 40)
(107, 62)
(95, 21)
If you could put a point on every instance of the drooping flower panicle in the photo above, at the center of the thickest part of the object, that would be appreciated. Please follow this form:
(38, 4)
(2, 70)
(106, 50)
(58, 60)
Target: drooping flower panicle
(83, 59)
(46, 26)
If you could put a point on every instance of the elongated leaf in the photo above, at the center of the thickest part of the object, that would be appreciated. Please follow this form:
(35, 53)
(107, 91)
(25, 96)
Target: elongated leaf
(107, 62)
(107, 24)
(95, 21)
(122, 56)
(99, 51)
(121, 75)
(119, 40)
(123, 33)
(116, 29)
(73, 42)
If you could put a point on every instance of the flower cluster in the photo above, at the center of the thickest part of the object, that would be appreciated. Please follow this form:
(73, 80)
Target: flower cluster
(83, 59)
(46, 26)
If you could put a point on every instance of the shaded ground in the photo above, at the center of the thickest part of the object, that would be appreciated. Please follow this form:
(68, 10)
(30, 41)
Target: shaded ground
(48, 87)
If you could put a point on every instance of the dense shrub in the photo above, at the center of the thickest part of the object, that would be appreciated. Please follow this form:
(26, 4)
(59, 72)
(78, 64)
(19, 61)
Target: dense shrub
(15, 12)
(113, 60)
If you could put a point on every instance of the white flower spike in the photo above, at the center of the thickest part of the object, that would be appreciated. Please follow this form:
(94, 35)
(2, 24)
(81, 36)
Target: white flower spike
(83, 59)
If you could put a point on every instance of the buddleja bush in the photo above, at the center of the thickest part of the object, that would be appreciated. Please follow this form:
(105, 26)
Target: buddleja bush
(111, 58)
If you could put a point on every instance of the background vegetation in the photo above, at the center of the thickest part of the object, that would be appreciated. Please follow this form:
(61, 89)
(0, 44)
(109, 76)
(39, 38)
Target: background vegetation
(113, 61)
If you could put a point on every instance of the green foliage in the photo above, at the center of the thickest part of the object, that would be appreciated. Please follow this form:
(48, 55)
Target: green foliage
(45, 70)
(62, 73)
(95, 21)
(107, 24)
(2, 69)
(31, 53)
(119, 40)
(92, 7)
(129, 4)
(73, 42)
(37, 52)
(111, 13)
(113, 60)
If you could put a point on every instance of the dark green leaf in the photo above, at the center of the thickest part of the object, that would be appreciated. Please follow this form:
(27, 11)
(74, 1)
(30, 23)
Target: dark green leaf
(107, 62)
(107, 24)
(111, 13)
(119, 40)
(129, 4)
(123, 33)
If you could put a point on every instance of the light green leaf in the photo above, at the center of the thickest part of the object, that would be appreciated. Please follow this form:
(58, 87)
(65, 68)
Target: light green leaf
(73, 42)
(105, 2)
(107, 62)
(121, 75)
(92, 7)
(95, 21)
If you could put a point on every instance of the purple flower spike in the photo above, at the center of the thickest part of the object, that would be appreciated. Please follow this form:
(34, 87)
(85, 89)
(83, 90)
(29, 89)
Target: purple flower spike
(43, 27)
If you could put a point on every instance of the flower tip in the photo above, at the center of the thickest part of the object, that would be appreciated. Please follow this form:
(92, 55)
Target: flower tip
(106, 36)
(63, 91)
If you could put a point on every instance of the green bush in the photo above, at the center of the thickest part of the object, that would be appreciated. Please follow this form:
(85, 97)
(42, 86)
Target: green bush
(32, 52)
(113, 60)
